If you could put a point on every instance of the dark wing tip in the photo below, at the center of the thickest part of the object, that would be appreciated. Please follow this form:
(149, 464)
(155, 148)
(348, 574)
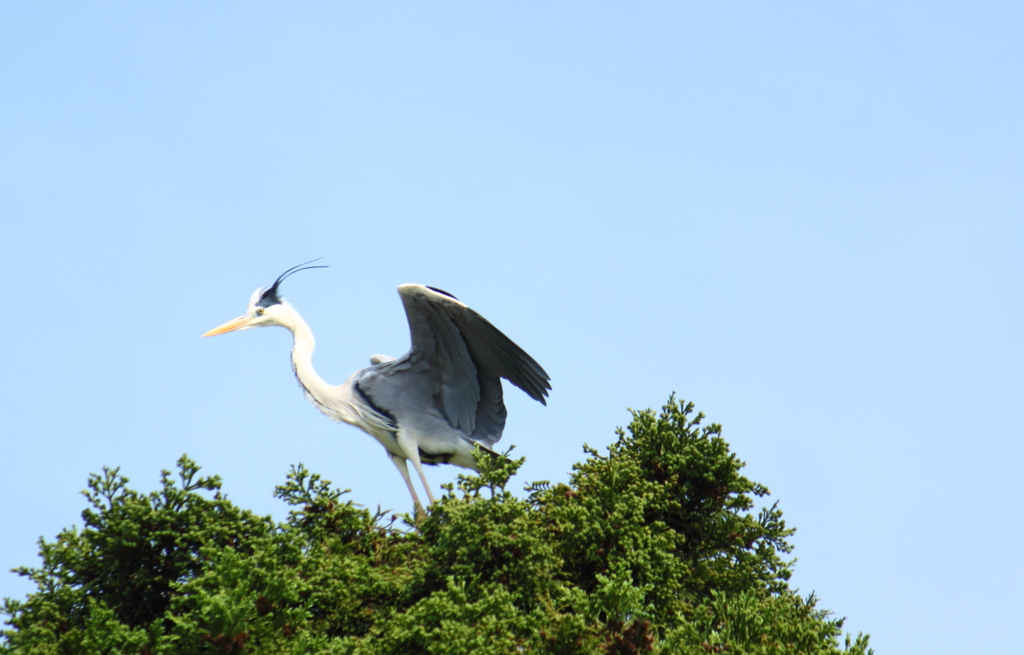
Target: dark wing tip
(442, 292)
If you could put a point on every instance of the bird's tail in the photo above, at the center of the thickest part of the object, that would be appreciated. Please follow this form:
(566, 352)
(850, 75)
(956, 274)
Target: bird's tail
(493, 453)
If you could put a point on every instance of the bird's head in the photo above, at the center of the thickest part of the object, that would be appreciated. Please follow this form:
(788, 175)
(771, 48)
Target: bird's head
(265, 308)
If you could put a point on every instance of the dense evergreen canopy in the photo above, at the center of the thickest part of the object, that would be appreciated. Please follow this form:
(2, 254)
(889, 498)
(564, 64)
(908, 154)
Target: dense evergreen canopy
(653, 547)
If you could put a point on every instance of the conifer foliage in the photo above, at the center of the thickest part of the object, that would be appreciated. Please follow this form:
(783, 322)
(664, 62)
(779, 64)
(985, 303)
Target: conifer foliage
(654, 547)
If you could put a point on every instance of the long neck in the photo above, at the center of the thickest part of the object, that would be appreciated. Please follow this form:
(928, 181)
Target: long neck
(302, 362)
(334, 401)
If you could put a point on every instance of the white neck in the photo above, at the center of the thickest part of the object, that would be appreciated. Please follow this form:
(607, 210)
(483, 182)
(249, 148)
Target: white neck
(341, 402)
(303, 345)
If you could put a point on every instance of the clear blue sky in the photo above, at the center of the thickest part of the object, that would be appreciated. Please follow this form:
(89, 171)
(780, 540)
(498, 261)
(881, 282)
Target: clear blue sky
(805, 217)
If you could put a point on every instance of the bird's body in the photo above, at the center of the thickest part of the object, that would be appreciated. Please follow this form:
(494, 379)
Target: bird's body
(434, 404)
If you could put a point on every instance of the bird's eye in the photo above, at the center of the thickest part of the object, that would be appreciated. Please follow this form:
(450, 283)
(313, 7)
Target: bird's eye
(259, 311)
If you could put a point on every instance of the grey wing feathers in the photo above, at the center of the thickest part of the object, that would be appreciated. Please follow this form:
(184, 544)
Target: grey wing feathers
(500, 356)
(441, 355)
(470, 355)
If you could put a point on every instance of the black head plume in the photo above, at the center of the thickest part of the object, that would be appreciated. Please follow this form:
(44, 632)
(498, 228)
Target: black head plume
(269, 296)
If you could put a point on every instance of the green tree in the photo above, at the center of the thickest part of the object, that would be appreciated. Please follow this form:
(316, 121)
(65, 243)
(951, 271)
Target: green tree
(653, 547)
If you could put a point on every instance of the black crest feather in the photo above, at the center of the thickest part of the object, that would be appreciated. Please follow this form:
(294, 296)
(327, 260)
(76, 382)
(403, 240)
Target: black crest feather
(269, 296)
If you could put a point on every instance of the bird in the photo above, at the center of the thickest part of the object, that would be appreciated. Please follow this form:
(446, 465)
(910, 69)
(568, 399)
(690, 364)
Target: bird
(433, 405)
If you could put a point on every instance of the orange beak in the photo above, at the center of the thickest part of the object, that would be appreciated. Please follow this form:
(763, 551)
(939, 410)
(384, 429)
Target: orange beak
(230, 326)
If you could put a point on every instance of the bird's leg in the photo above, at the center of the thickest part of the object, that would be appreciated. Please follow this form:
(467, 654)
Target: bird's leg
(423, 479)
(412, 453)
(404, 470)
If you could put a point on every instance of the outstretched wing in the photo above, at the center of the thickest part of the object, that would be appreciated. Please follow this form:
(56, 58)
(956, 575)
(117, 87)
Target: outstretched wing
(464, 356)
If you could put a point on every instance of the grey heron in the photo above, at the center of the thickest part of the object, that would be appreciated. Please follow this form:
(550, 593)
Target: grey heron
(433, 404)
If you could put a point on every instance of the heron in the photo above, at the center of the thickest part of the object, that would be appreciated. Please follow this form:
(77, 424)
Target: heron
(433, 405)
